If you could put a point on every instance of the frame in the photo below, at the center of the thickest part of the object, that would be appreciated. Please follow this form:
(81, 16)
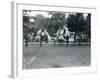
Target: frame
(17, 69)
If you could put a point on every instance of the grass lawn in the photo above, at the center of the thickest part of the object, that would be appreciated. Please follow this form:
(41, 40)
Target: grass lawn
(55, 57)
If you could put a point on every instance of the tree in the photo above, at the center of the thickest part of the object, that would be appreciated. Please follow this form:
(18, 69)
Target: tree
(76, 22)
(88, 25)
(41, 21)
(26, 17)
(51, 24)
(57, 20)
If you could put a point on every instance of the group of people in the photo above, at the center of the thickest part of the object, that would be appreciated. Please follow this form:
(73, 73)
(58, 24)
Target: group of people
(43, 36)
(40, 36)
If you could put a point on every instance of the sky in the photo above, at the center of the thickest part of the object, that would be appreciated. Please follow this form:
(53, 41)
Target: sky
(45, 14)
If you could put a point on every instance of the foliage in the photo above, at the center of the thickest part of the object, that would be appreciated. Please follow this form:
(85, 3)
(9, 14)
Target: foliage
(26, 16)
(88, 25)
(76, 22)
(57, 21)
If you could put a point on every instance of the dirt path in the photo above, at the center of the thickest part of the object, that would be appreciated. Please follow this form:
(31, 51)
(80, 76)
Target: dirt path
(54, 57)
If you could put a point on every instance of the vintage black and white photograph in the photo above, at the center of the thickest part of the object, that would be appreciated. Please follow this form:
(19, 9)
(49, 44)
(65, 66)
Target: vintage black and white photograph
(56, 39)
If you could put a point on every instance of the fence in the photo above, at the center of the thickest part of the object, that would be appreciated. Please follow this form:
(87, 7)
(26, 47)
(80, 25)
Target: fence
(56, 43)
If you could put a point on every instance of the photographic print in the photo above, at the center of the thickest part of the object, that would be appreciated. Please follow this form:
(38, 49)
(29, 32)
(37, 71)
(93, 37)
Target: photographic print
(52, 39)
(56, 39)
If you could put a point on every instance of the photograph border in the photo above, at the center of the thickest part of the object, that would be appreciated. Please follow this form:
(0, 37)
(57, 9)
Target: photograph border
(16, 40)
